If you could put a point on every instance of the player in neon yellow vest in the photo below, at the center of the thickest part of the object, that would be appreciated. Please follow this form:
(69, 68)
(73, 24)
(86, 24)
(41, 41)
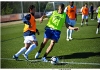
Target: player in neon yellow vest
(98, 16)
(53, 30)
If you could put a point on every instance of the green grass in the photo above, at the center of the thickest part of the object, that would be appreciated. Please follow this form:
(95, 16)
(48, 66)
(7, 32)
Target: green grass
(84, 48)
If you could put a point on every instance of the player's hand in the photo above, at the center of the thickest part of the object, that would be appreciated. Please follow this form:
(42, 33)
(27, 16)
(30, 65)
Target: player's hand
(41, 20)
(76, 28)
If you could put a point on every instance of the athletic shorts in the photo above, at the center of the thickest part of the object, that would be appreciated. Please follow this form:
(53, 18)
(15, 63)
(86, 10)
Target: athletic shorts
(72, 22)
(52, 34)
(84, 16)
(29, 39)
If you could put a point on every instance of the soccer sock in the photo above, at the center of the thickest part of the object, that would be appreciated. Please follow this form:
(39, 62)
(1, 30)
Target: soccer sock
(32, 47)
(68, 33)
(70, 36)
(23, 49)
(81, 24)
(41, 47)
(85, 22)
(45, 55)
(97, 30)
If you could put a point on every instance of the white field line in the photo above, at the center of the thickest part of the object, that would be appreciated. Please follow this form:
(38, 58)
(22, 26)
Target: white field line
(58, 63)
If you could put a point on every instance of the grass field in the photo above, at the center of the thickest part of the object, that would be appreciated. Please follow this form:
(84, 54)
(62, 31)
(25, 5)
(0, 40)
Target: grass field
(82, 52)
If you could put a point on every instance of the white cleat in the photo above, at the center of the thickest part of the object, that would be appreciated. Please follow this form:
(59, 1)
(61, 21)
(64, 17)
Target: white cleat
(70, 38)
(96, 32)
(67, 39)
(37, 55)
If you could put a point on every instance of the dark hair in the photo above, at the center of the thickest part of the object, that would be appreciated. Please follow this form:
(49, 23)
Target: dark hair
(62, 6)
(71, 2)
(31, 7)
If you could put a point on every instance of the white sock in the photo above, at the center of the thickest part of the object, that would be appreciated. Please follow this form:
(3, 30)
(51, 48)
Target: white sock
(23, 49)
(97, 30)
(32, 47)
(67, 33)
(85, 22)
(70, 36)
(81, 23)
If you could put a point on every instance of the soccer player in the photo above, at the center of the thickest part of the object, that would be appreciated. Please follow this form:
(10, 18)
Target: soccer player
(85, 12)
(72, 14)
(92, 11)
(98, 17)
(53, 30)
(29, 30)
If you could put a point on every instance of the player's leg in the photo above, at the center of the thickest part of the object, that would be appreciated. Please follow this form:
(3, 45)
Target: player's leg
(48, 50)
(98, 26)
(82, 21)
(68, 31)
(41, 47)
(47, 36)
(33, 45)
(54, 38)
(73, 22)
(86, 20)
(23, 49)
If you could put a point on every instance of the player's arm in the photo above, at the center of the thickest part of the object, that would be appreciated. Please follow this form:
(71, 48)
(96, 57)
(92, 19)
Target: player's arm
(37, 31)
(26, 20)
(44, 16)
(69, 26)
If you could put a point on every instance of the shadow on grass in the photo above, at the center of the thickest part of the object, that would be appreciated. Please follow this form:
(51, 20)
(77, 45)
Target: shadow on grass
(87, 38)
(79, 55)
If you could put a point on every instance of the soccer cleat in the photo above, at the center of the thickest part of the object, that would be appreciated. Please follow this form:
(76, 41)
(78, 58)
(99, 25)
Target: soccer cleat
(67, 39)
(14, 57)
(25, 56)
(44, 59)
(37, 55)
(70, 38)
(96, 32)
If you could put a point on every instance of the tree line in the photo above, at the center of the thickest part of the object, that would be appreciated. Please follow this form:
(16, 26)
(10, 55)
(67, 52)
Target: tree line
(15, 7)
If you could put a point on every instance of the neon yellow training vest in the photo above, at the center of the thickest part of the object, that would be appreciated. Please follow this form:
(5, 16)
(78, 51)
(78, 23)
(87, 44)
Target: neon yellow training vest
(57, 20)
(98, 12)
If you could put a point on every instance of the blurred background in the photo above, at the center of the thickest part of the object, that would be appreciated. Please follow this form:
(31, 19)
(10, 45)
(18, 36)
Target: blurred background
(11, 11)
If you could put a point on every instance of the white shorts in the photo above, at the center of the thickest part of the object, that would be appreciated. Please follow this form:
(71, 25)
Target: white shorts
(84, 17)
(98, 20)
(29, 39)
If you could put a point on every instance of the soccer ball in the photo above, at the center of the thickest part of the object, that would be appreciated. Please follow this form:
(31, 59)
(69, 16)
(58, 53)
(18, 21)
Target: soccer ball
(54, 60)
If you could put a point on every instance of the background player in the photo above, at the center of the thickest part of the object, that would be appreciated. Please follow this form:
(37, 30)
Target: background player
(72, 15)
(85, 12)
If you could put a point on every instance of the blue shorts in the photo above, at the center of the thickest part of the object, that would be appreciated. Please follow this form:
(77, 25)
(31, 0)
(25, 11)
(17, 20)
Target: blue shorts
(72, 22)
(52, 34)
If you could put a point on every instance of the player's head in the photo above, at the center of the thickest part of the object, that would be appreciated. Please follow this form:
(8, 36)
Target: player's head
(61, 8)
(91, 4)
(86, 5)
(71, 3)
(32, 9)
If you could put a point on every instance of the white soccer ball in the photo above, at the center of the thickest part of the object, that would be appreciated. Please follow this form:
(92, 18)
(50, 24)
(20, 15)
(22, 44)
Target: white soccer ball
(54, 60)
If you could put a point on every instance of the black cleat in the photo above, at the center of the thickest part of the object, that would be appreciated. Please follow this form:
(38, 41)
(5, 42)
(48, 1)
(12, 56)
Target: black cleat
(14, 57)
